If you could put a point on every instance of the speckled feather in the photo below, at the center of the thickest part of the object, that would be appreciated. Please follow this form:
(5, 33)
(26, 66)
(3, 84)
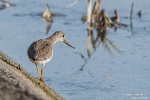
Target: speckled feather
(40, 50)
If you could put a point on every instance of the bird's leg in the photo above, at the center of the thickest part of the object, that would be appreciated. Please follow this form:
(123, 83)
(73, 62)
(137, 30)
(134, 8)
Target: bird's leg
(42, 71)
(38, 69)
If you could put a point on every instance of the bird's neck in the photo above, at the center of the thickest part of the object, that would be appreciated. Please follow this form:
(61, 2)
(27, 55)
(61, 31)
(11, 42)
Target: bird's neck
(52, 39)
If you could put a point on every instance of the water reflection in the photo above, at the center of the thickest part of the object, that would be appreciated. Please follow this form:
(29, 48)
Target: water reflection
(48, 26)
(93, 42)
(47, 16)
(99, 21)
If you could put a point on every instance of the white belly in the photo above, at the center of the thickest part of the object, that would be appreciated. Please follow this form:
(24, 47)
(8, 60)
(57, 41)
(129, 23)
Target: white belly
(41, 62)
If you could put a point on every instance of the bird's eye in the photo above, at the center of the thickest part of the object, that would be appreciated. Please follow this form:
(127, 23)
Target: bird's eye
(63, 36)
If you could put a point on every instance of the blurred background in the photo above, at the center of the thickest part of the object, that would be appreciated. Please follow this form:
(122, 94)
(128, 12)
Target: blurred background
(111, 60)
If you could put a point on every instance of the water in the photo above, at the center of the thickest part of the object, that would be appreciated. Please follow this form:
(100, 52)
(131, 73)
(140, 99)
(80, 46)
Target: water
(105, 75)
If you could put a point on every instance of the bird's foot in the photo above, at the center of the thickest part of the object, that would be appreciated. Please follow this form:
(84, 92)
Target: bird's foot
(41, 79)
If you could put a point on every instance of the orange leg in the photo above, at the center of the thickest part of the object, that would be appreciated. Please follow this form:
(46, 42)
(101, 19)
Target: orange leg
(39, 72)
(42, 71)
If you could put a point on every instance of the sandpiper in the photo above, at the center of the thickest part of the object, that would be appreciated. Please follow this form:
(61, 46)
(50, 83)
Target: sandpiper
(41, 51)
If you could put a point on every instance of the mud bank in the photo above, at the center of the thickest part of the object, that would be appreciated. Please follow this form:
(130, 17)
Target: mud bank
(17, 84)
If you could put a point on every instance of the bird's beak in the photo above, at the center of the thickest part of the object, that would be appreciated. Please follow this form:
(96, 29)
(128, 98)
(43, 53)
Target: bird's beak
(68, 43)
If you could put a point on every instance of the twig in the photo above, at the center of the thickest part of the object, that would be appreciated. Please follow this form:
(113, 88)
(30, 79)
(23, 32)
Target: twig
(72, 3)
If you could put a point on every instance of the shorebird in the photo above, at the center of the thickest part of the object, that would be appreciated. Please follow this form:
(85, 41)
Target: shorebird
(41, 51)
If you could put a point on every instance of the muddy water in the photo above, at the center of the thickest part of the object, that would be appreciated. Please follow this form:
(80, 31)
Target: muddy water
(106, 73)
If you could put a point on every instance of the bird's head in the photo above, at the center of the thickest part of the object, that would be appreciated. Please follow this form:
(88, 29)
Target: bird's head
(61, 37)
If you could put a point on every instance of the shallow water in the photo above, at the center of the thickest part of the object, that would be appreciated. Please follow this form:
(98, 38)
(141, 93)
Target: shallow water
(105, 75)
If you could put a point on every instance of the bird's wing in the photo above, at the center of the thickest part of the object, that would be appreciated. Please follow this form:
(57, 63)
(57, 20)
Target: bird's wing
(40, 50)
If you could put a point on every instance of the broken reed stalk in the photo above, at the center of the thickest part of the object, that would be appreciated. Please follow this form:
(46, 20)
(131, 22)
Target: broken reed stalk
(89, 9)
(99, 1)
(104, 22)
(108, 18)
(95, 13)
(96, 8)
(131, 10)
(131, 26)
(47, 15)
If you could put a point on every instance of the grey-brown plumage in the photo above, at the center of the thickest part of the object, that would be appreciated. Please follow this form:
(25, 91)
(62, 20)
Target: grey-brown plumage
(41, 52)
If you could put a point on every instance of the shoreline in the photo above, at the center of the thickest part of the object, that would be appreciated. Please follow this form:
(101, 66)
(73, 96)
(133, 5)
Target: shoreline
(13, 74)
